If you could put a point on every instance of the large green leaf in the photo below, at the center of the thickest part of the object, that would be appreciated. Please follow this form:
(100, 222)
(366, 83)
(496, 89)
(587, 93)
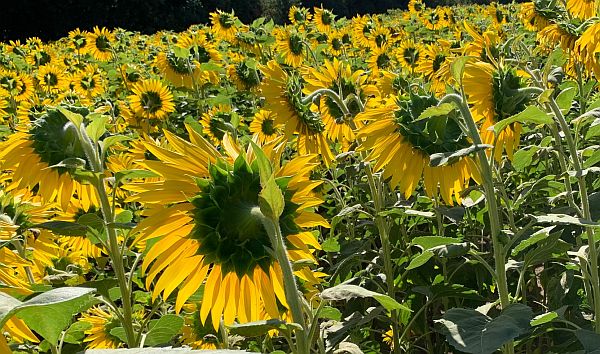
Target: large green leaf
(48, 313)
(589, 340)
(472, 332)
(163, 329)
(531, 114)
(259, 328)
(349, 291)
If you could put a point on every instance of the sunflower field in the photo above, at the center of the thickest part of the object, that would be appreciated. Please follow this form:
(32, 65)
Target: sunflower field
(423, 181)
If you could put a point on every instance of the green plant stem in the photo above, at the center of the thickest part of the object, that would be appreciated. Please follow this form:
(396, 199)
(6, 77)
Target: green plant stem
(117, 259)
(378, 201)
(289, 281)
(108, 215)
(329, 93)
(585, 206)
(492, 204)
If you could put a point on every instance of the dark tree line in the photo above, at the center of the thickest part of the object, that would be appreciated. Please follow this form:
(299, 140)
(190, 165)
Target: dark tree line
(51, 19)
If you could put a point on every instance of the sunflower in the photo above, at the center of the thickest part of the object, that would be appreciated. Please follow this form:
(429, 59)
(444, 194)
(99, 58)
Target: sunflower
(151, 99)
(263, 126)
(203, 214)
(380, 37)
(582, 9)
(99, 44)
(335, 41)
(416, 7)
(82, 245)
(299, 16)
(217, 122)
(201, 51)
(89, 82)
(323, 19)
(340, 77)
(435, 65)
(381, 59)
(434, 19)
(224, 25)
(52, 78)
(245, 75)
(586, 49)
(16, 48)
(19, 86)
(41, 56)
(532, 19)
(98, 335)
(482, 45)
(196, 334)
(290, 44)
(78, 40)
(180, 71)
(282, 92)
(402, 145)
(34, 154)
(362, 26)
(560, 34)
(494, 96)
(409, 54)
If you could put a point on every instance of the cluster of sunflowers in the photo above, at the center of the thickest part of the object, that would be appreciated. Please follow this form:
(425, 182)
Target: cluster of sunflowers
(136, 163)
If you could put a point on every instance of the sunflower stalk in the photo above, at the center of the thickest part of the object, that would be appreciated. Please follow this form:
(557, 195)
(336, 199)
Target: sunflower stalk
(331, 94)
(271, 225)
(491, 201)
(108, 215)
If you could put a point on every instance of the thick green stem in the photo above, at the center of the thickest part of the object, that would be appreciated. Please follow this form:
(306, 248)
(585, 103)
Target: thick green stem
(117, 260)
(108, 214)
(379, 203)
(492, 204)
(289, 281)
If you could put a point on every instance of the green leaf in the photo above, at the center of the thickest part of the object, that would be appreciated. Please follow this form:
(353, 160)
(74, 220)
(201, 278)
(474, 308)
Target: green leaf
(65, 228)
(181, 52)
(163, 329)
(330, 313)
(331, 244)
(565, 99)
(543, 318)
(420, 260)
(76, 332)
(589, 340)
(427, 242)
(91, 220)
(265, 169)
(112, 140)
(132, 174)
(73, 117)
(532, 240)
(457, 68)
(271, 200)
(102, 286)
(472, 332)
(48, 313)
(349, 291)
(446, 158)
(531, 114)
(435, 111)
(97, 126)
(72, 163)
(452, 250)
(563, 219)
(523, 158)
(119, 332)
(124, 217)
(259, 328)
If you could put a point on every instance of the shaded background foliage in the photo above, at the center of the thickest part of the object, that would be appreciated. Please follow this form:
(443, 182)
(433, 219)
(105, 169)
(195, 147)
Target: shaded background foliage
(50, 19)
